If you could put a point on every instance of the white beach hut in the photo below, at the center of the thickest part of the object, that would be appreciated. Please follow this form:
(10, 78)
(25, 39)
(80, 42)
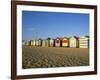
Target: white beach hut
(43, 43)
(37, 42)
(46, 43)
(74, 42)
(40, 42)
(33, 42)
(51, 42)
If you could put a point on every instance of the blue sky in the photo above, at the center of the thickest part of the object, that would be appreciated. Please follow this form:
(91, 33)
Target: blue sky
(53, 24)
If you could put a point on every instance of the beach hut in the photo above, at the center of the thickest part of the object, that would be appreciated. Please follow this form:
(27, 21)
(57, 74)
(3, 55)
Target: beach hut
(31, 42)
(84, 42)
(37, 42)
(34, 42)
(73, 42)
(65, 42)
(43, 43)
(40, 42)
(57, 42)
(46, 43)
(51, 42)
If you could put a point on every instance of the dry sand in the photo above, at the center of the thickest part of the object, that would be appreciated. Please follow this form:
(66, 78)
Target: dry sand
(43, 57)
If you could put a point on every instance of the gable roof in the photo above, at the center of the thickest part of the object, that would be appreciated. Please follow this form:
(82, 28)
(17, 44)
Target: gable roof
(65, 37)
(74, 37)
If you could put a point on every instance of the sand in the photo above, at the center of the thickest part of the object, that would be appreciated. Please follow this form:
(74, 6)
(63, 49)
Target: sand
(45, 57)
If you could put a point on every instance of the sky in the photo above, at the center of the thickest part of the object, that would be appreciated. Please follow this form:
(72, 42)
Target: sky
(36, 24)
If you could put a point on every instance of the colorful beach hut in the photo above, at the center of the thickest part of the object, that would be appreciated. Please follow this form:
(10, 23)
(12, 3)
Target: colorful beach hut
(65, 42)
(58, 42)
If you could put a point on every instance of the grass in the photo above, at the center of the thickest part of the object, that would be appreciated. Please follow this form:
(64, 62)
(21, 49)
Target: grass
(44, 57)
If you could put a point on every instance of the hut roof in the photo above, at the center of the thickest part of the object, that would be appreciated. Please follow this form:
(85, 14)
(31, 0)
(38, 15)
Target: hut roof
(65, 37)
(58, 38)
(84, 37)
(40, 39)
(75, 37)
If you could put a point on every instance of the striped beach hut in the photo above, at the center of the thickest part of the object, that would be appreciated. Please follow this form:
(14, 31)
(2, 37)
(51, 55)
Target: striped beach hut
(74, 43)
(65, 42)
(58, 42)
(84, 42)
